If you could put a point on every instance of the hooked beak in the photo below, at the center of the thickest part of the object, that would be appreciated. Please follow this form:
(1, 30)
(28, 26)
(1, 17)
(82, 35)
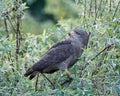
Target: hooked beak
(89, 34)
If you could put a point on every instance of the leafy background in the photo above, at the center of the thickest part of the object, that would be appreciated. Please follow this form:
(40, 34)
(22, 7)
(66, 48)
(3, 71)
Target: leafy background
(33, 26)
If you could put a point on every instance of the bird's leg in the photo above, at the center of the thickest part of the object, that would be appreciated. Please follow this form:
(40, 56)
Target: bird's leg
(69, 80)
(49, 80)
(36, 83)
(69, 75)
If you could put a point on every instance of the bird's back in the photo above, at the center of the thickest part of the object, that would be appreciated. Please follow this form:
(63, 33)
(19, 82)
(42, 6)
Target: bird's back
(54, 56)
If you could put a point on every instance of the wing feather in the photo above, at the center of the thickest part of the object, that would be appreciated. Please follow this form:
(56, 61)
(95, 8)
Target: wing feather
(55, 55)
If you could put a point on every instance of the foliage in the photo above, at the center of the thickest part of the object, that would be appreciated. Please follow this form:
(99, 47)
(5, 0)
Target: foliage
(100, 76)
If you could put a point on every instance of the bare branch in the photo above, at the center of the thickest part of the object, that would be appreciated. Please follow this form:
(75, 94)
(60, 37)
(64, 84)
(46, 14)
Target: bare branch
(115, 10)
(107, 47)
(6, 27)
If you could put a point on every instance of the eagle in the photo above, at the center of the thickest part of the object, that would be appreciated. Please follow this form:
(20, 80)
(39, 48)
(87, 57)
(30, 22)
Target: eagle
(62, 55)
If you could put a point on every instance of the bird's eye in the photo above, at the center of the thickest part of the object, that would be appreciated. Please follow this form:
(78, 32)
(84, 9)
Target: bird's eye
(77, 32)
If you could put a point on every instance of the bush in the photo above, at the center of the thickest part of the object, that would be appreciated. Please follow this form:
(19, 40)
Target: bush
(92, 76)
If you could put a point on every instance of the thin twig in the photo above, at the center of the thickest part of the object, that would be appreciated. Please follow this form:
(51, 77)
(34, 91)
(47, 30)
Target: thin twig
(99, 8)
(110, 5)
(87, 62)
(18, 39)
(95, 10)
(84, 11)
(6, 27)
(115, 10)
(103, 8)
(11, 24)
(90, 8)
(9, 11)
(107, 47)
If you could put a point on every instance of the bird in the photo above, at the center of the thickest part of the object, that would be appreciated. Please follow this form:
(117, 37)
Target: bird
(62, 55)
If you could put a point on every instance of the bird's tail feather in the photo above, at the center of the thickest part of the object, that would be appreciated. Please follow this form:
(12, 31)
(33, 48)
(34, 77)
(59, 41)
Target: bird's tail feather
(33, 75)
(30, 72)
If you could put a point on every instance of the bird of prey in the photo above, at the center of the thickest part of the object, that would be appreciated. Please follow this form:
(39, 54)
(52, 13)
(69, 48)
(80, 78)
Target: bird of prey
(62, 55)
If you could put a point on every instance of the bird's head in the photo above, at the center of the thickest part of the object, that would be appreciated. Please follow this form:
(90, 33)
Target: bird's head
(80, 35)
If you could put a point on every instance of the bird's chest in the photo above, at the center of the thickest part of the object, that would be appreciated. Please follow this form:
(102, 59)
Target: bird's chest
(78, 49)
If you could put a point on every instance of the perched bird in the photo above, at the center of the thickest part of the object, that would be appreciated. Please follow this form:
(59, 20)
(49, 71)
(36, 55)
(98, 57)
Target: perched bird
(62, 55)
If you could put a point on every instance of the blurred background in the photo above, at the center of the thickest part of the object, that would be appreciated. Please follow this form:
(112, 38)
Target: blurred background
(44, 14)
